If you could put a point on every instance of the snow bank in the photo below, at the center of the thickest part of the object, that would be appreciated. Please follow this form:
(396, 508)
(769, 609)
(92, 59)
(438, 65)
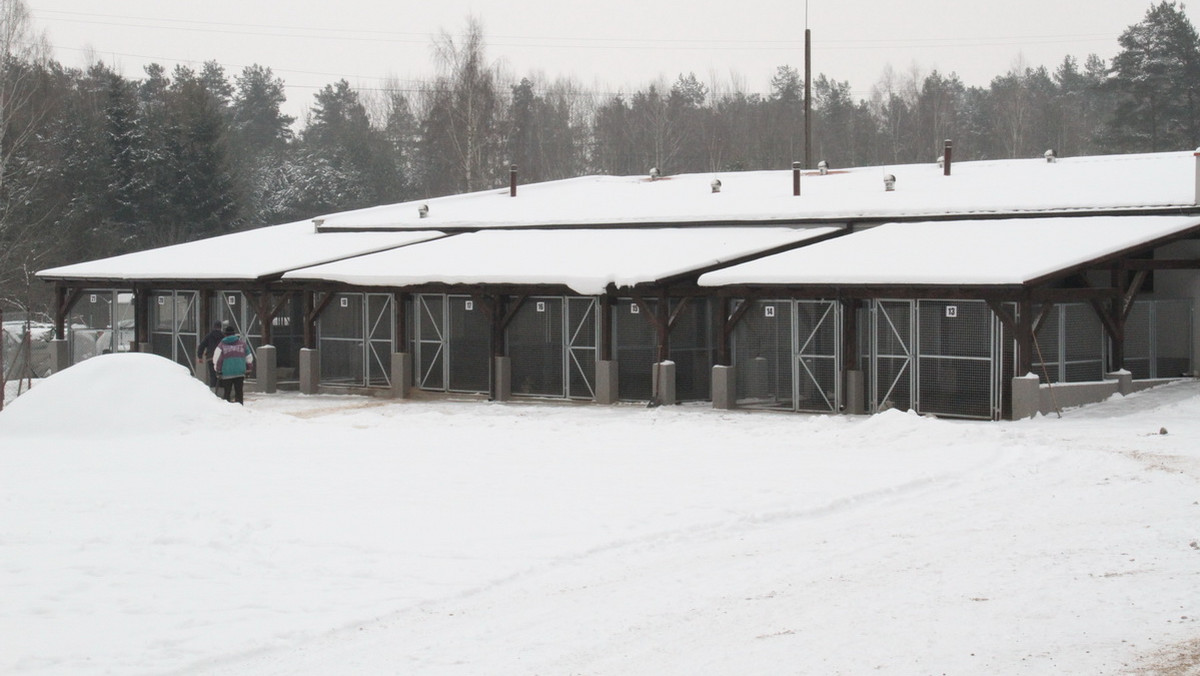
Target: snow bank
(127, 393)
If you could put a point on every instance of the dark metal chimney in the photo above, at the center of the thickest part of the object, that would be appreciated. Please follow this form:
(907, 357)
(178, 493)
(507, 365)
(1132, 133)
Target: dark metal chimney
(946, 165)
(512, 181)
(795, 179)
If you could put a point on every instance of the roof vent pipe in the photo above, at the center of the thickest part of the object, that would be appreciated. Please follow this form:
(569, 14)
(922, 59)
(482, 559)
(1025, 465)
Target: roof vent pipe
(823, 167)
(949, 146)
(654, 173)
(423, 210)
(795, 179)
(512, 181)
(716, 185)
(1050, 156)
(1196, 155)
(889, 182)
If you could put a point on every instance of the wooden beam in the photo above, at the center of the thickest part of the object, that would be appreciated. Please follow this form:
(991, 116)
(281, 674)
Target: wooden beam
(1042, 315)
(606, 312)
(1161, 264)
(1135, 287)
(683, 303)
(512, 310)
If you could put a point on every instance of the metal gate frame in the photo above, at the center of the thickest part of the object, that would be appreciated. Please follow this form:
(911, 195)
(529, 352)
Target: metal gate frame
(906, 342)
(803, 359)
(574, 346)
(433, 354)
(376, 328)
(180, 352)
(910, 371)
(573, 343)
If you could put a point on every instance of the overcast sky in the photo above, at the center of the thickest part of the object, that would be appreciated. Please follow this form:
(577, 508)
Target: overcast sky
(617, 45)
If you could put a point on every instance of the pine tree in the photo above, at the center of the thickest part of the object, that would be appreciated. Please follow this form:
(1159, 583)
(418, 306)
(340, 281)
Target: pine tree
(1156, 77)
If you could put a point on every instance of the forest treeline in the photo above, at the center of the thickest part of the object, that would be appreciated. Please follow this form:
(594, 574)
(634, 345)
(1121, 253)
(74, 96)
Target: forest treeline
(95, 163)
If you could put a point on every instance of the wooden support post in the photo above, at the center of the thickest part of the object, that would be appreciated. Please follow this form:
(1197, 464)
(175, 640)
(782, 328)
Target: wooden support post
(262, 307)
(400, 301)
(662, 327)
(141, 318)
(310, 313)
(204, 299)
(606, 310)
(722, 335)
(850, 347)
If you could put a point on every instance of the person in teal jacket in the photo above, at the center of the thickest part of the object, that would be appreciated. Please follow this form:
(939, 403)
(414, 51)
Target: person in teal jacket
(232, 359)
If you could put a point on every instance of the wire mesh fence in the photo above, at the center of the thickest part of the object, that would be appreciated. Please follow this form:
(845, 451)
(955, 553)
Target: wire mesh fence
(537, 347)
(763, 356)
(634, 348)
(1158, 339)
(355, 335)
(955, 360)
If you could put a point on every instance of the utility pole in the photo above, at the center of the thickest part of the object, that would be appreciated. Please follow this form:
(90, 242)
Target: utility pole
(807, 91)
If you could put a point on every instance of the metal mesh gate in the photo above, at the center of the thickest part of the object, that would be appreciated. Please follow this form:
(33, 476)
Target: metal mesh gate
(537, 349)
(634, 349)
(101, 323)
(355, 335)
(787, 355)
(452, 344)
(956, 359)
(936, 357)
(174, 320)
(552, 344)
(818, 331)
(583, 334)
(762, 355)
(692, 349)
(892, 354)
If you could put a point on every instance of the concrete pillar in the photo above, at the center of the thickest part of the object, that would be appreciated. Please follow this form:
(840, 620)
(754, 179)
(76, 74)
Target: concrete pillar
(310, 370)
(606, 382)
(60, 354)
(1026, 396)
(663, 383)
(503, 378)
(1124, 381)
(724, 387)
(856, 393)
(402, 374)
(266, 369)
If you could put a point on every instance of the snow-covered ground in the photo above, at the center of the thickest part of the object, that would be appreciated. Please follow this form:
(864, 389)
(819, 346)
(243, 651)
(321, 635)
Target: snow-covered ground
(148, 528)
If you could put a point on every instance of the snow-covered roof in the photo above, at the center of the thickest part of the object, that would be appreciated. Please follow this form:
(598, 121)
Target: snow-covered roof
(586, 260)
(242, 256)
(983, 187)
(968, 252)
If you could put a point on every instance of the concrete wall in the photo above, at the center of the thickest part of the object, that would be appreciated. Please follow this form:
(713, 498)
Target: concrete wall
(1030, 397)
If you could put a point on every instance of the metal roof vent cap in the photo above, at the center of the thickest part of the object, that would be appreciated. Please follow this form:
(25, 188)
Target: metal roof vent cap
(716, 185)
(1050, 156)
(823, 167)
(654, 173)
(423, 210)
(889, 182)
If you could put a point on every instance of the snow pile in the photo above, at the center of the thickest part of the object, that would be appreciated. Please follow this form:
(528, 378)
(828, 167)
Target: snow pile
(126, 393)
